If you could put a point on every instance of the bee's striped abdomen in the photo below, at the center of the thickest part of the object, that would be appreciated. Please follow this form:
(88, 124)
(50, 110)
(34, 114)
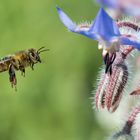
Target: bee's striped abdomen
(4, 63)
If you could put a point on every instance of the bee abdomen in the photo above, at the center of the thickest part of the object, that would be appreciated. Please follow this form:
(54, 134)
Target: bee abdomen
(4, 63)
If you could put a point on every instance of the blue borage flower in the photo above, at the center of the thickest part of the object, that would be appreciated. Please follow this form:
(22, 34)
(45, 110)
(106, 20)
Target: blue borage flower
(103, 29)
(130, 7)
(109, 3)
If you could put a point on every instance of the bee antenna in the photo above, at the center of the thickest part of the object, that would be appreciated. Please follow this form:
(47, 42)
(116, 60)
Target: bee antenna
(41, 48)
(42, 51)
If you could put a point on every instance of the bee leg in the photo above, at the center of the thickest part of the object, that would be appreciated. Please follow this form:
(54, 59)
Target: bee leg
(23, 72)
(32, 66)
(22, 69)
(12, 76)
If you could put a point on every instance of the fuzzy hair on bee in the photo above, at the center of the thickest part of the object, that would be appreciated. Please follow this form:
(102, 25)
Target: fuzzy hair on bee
(19, 61)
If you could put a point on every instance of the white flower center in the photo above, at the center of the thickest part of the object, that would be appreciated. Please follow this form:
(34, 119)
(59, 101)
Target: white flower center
(111, 47)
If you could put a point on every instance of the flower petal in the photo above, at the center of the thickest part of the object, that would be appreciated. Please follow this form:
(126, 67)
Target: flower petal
(129, 41)
(108, 3)
(73, 27)
(130, 7)
(66, 20)
(105, 26)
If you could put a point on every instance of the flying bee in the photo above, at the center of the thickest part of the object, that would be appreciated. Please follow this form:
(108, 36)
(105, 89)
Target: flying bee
(19, 61)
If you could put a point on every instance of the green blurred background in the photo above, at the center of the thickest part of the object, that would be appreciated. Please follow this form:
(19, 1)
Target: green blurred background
(52, 102)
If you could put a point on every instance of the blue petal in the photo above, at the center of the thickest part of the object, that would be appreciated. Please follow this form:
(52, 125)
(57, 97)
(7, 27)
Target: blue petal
(131, 8)
(66, 20)
(105, 26)
(109, 3)
(89, 35)
(71, 26)
(127, 41)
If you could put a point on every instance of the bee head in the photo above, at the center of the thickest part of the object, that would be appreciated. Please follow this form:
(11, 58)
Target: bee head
(35, 54)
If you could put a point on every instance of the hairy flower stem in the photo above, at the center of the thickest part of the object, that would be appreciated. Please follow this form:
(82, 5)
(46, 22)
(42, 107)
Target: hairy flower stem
(130, 25)
(113, 80)
(131, 119)
(110, 89)
(126, 132)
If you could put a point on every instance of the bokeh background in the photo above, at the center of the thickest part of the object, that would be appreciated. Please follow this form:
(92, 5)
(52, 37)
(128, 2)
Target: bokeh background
(53, 101)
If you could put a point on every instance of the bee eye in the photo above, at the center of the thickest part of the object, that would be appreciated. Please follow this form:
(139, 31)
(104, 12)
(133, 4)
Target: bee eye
(33, 54)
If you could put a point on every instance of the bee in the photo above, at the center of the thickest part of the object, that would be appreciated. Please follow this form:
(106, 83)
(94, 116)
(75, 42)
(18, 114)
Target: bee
(19, 61)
